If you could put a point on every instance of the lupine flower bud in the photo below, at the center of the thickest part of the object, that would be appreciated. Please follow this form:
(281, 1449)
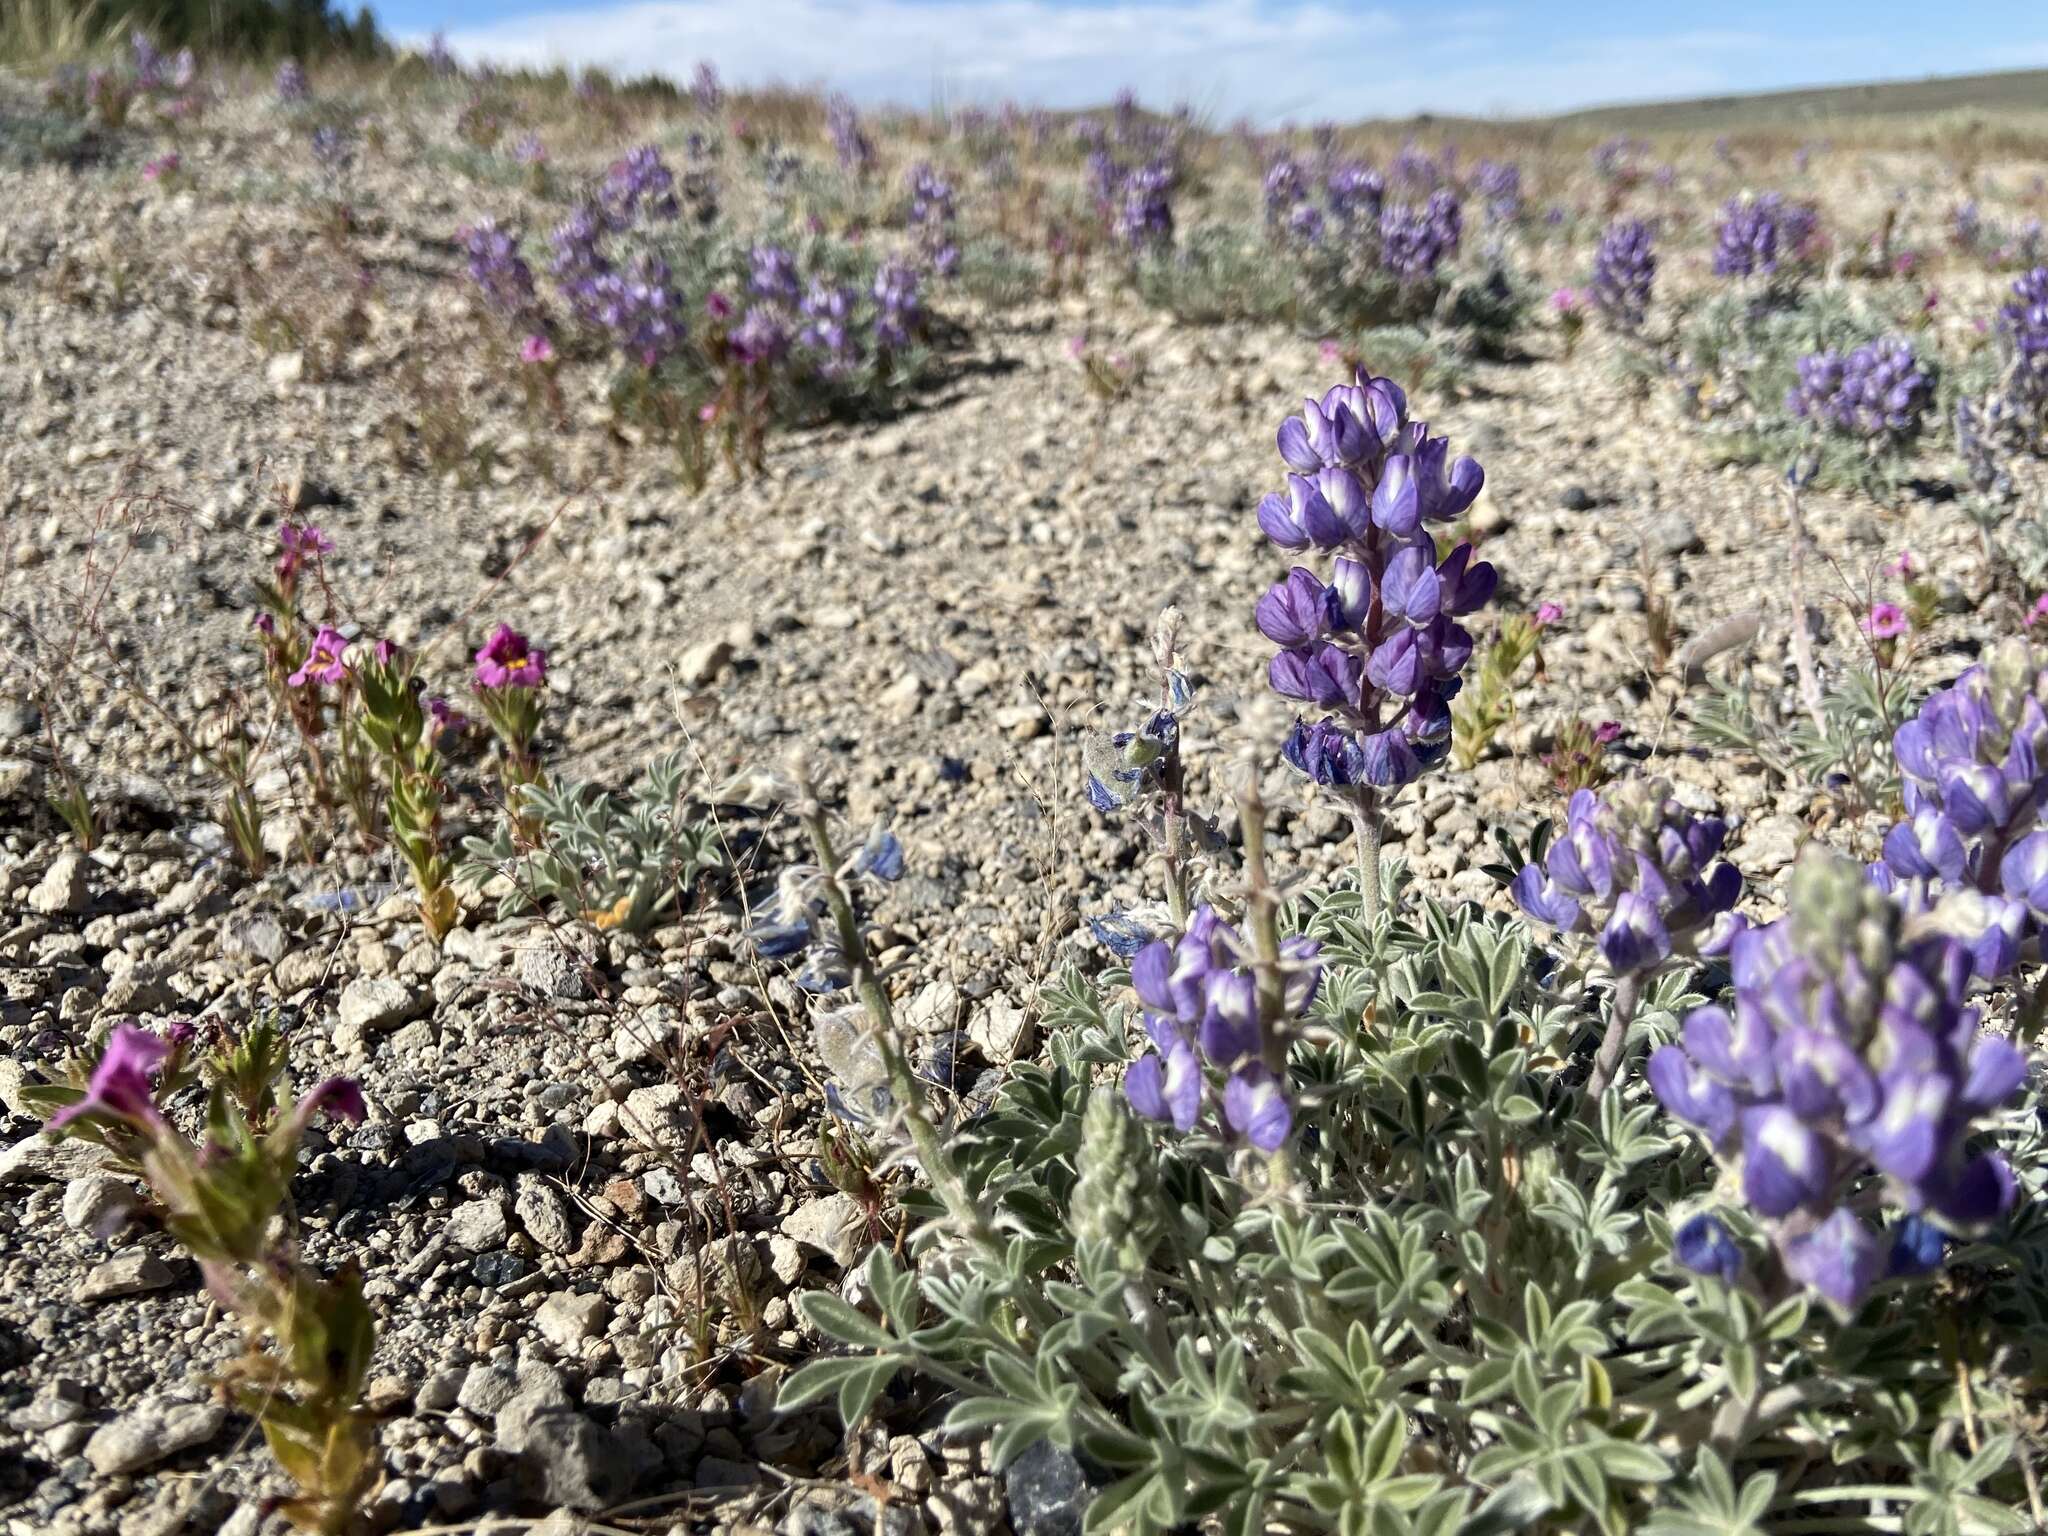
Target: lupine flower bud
(1414, 242)
(1848, 1052)
(1642, 871)
(1624, 271)
(1375, 645)
(1114, 1210)
(2023, 322)
(1974, 766)
(497, 268)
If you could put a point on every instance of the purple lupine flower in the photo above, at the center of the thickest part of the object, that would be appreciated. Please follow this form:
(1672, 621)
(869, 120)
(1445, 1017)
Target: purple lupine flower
(120, 1086)
(326, 662)
(932, 215)
(1849, 1053)
(774, 276)
(1703, 1245)
(899, 315)
(1879, 392)
(1973, 766)
(1499, 183)
(1624, 271)
(529, 150)
(1356, 193)
(1758, 236)
(1415, 169)
(1202, 1015)
(497, 268)
(332, 150)
(1286, 188)
(849, 141)
(507, 661)
(1640, 870)
(1376, 645)
(1615, 158)
(2023, 326)
(828, 311)
(640, 183)
(707, 92)
(1415, 241)
(291, 83)
(761, 337)
(579, 260)
(642, 309)
(1144, 207)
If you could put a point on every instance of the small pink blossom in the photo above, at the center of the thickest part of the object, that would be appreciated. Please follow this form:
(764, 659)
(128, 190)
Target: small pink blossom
(1566, 301)
(1607, 731)
(297, 545)
(446, 717)
(265, 625)
(1904, 566)
(1077, 345)
(1548, 614)
(507, 661)
(160, 167)
(385, 652)
(1885, 621)
(708, 411)
(1330, 352)
(326, 662)
(536, 349)
(2038, 612)
(120, 1086)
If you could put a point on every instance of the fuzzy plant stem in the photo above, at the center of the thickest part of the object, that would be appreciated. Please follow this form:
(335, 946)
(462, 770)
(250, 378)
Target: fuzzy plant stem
(946, 1181)
(1367, 826)
(1621, 1012)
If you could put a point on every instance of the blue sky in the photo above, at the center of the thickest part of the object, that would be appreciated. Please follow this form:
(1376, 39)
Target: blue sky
(1268, 59)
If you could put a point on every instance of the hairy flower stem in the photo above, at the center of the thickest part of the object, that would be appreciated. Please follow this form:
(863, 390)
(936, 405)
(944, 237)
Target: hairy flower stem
(1370, 830)
(1620, 1012)
(966, 1212)
(1173, 821)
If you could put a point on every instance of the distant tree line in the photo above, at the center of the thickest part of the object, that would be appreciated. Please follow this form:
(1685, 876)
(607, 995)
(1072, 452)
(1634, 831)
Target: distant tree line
(305, 29)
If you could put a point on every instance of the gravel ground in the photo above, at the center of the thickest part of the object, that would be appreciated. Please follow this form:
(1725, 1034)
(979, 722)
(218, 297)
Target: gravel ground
(588, 1185)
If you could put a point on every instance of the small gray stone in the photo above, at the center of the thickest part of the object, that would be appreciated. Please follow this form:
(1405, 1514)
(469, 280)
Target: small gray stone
(1048, 1492)
(62, 888)
(702, 663)
(544, 1214)
(258, 934)
(831, 1224)
(59, 1402)
(571, 1460)
(437, 1393)
(94, 1202)
(486, 1389)
(128, 1273)
(478, 1226)
(37, 1158)
(1670, 534)
(566, 1319)
(544, 967)
(373, 1004)
(152, 1431)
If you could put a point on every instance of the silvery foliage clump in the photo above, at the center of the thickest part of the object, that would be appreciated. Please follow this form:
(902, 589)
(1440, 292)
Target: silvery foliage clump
(621, 861)
(1741, 355)
(1471, 1280)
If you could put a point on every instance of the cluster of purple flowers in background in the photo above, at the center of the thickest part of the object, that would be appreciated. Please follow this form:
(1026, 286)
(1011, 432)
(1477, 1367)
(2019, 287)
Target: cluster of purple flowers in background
(1355, 193)
(1642, 871)
(497, 268)
(2023, 323)
(333, 150)
(1499, 185)
(856, 151)
(1139, 201)
(1201, 1006)
(707, 92)
(1376, 644)
(1878, 392)
(1624, 274)
(291, 82)
(932, 215)
(1615, 159)
(1414, 241)
(1974, 775)
(1849, 1050)
(640, 306)
(1757, 236)
(154, 72)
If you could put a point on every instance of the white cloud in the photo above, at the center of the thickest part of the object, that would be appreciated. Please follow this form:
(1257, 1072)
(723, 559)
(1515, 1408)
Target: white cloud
(1304, 61)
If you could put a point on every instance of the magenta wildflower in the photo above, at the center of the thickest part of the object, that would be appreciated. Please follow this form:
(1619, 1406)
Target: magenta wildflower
(446, 716)
(326, 662)
(1548, 614)
(2038, 612)
(296, 545)
(536, 349)
(1607, 732)
(1904, 566)
(264, 624)
(1885, 621)
(1566, 301)
(339, 1097)
(120, 1085)
(717, 305)
(507, 661)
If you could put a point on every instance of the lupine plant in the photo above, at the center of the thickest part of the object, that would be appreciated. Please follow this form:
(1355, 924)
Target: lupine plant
(1391, 1266)
(225, 1201)
(1624, 274)
(1879, 393)
(1375, 642)
(1764, 236)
